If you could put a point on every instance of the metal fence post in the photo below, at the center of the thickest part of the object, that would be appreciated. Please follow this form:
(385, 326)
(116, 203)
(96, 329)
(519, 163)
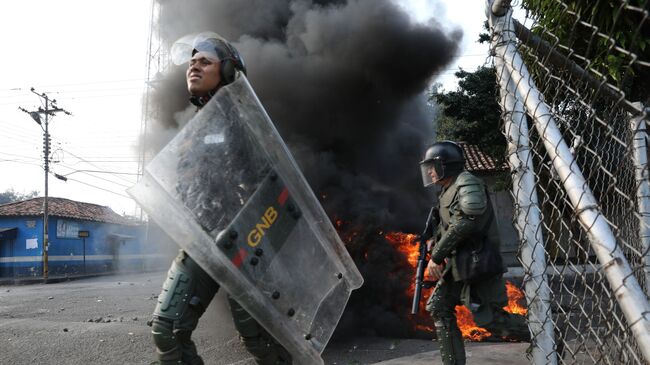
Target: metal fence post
(640, 152)
(528, 215)
(628, 292)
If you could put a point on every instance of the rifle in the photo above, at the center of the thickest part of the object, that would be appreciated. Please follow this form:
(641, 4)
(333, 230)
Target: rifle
(429, 229)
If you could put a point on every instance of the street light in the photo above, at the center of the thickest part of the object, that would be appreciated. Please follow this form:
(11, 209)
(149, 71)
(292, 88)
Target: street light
(60, 177)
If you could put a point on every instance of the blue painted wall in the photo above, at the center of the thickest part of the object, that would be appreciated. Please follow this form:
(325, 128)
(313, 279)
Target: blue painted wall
(107, 248)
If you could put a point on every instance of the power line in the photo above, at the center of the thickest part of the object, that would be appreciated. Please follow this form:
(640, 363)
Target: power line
(21, 162)
(92, 164)
(97, 187)
(97, 177)
(103, 96)
(84, 97)
(104, 172)
(17, 129)
(113, 161)
(72, 91)
(22, 140)
(79, 83)
(22, 156)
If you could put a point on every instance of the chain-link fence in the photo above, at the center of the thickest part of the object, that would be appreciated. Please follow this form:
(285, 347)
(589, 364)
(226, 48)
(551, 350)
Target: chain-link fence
(574, 78)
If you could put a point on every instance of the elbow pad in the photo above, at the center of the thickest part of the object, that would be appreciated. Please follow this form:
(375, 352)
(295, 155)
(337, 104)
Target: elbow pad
(455, 234)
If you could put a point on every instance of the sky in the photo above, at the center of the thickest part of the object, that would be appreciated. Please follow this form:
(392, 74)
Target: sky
(91, 57)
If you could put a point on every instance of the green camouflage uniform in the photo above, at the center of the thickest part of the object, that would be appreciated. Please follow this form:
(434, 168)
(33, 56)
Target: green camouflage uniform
(464, 210)
(186, 293)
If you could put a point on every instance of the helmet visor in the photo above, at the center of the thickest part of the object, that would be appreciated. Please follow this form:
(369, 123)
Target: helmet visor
(425, 169)
(432, 172)
(207, 43)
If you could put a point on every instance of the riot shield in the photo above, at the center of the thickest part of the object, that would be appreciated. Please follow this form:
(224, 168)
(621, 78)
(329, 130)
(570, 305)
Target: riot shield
(228, 191)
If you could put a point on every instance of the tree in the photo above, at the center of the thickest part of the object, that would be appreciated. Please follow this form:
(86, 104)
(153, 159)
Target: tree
(618, 24)
(472, 113)
(10, 196)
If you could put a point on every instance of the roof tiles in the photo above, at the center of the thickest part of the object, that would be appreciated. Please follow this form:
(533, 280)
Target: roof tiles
(65, 208)
(477, 161)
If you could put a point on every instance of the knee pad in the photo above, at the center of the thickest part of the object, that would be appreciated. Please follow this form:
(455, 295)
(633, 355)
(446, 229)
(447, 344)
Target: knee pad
(163, 335)
(445, 323)
(266, 350)
(176, 293)
(173, 347)
(245, 324)
(258, 342)
(441, 307)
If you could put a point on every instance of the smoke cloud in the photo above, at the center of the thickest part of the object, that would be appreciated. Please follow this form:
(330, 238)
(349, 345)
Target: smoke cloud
(344, 82)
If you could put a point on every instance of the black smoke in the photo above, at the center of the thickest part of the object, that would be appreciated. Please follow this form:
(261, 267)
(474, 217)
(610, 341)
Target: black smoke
(344, 82)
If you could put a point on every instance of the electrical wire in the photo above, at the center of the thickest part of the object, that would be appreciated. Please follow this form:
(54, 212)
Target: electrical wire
(80, 83)
(97, 187)
(98, 177)
(20, 162)
(21, 156)
(92, 164)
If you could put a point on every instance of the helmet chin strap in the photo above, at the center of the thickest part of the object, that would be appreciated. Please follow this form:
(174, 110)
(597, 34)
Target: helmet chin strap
(200, 101)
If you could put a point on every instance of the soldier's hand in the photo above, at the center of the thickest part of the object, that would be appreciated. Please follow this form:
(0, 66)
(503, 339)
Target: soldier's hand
(430, 242)
(434, 270)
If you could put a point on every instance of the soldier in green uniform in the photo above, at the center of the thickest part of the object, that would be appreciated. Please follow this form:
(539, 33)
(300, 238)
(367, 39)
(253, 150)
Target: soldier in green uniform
(188, 289)
(466, 217)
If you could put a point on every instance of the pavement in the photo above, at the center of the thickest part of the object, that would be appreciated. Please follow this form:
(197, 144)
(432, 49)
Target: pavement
(477, 353)
(101, 320)
(28, 280)
(387, 351)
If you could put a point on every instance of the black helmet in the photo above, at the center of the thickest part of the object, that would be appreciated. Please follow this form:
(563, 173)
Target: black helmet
(213, 45)
(445, 157)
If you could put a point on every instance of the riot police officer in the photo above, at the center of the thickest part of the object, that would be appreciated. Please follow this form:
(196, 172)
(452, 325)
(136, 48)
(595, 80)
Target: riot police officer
(188, 289)
(466, 217)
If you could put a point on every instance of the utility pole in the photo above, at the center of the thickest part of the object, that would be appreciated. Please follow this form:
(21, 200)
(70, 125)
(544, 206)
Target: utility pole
(158, 61)
(50, 110)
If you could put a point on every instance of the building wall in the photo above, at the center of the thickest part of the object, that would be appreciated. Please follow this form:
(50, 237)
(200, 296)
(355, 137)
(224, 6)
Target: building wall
(504, 213)
(108, 247)
(15, 258)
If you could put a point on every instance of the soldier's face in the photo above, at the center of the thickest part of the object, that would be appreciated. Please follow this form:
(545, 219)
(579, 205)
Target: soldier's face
(203, 75)
(435, 178)
(432, 173)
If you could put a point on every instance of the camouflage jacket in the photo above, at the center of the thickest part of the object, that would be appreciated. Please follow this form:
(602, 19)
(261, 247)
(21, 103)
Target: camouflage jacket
(465, 215)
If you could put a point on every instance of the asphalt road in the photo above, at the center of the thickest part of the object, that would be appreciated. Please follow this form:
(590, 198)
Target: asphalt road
(102, 320)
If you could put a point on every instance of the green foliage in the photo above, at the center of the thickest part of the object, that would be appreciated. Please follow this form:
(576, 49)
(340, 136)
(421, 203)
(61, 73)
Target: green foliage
(10, 196)
(594, 30)
(472, 113)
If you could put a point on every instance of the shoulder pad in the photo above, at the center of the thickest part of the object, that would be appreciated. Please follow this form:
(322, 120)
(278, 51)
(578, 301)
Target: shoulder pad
(471, 194)
(466, 178)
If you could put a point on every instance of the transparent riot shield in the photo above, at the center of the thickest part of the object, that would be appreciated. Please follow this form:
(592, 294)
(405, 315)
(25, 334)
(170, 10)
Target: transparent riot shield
(228, 191)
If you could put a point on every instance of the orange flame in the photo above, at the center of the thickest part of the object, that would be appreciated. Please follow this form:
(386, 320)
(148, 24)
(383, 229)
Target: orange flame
(468, 327)
(515, 300)
(405, 243)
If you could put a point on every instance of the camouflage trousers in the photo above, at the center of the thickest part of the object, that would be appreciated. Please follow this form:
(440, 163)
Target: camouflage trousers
(488, 314)
(186, 293)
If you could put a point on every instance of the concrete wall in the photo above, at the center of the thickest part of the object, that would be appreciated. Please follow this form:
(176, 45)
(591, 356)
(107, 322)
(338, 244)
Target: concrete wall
(504, 210)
